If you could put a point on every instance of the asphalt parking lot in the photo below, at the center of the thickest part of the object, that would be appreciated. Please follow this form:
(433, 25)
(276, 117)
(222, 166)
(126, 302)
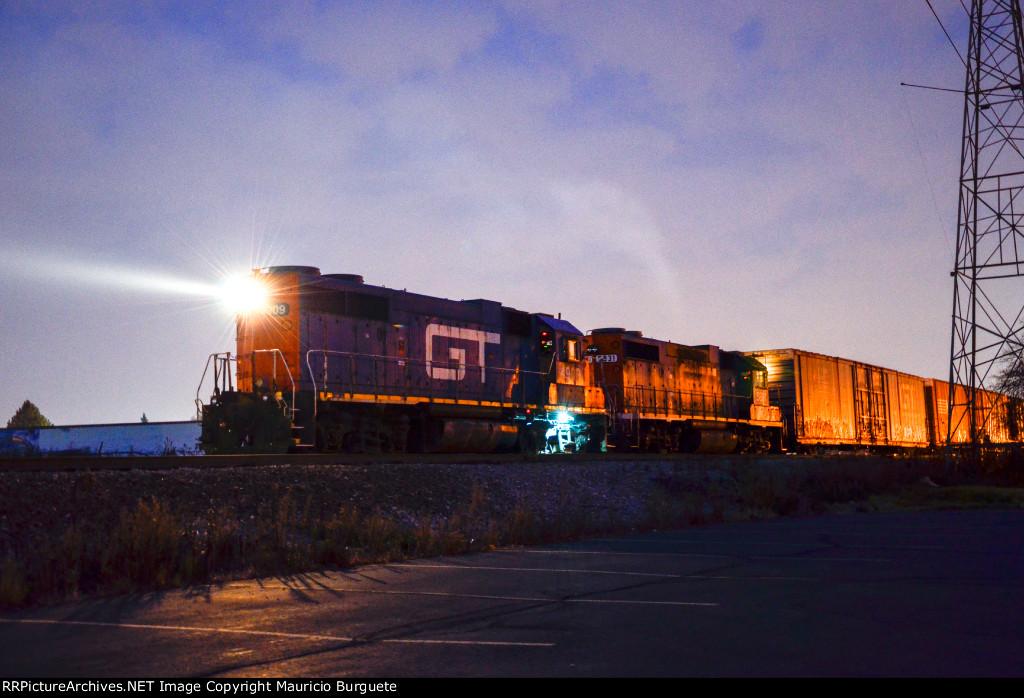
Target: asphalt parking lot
(908, 594)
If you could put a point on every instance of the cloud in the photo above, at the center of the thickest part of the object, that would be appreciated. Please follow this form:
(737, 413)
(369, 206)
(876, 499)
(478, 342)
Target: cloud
(371, 43)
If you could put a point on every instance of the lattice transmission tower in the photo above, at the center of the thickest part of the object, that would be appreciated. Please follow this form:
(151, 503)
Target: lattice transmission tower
(988, 302)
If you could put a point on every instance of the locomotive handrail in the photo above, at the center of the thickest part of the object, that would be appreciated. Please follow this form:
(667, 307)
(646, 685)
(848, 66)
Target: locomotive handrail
(515, 376)
(680, 403)
(218, 378)
(284, 362)
(222, 376)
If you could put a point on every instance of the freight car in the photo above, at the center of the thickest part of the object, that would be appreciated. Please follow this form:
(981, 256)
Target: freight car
(327, 362)
(669, 397)
(997, 417)
(828, 401)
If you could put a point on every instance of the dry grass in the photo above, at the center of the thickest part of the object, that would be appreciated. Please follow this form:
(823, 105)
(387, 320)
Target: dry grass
(153, 546)
(750, 490)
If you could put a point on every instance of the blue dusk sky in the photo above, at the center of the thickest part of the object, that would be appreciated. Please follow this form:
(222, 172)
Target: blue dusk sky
(745, 174)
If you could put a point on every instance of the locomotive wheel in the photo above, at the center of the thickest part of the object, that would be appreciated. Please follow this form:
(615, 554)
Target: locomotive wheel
(595, 438)
(327, 438)
(528, 440)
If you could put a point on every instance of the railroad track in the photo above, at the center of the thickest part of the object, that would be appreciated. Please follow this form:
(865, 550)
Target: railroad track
(78, 463)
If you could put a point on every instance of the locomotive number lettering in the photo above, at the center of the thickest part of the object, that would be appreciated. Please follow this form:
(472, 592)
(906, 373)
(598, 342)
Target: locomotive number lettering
(456, 354)
(279, 309)
(603, 358)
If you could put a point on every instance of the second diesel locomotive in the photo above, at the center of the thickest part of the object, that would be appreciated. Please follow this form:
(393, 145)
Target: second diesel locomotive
(326, 362)
(666, 397)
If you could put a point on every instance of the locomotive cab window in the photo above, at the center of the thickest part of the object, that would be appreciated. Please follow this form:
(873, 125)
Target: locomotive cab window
(571, 349)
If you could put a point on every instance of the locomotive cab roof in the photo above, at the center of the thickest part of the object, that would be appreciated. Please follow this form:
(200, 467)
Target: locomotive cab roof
(558, 325)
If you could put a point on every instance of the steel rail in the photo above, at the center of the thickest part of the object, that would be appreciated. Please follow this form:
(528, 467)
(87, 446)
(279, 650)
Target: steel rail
(82, 463)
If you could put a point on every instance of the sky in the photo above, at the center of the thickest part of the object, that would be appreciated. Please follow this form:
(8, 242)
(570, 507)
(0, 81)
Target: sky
(745, 174)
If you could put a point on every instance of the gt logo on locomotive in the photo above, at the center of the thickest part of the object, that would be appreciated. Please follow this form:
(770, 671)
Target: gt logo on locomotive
(458, 354)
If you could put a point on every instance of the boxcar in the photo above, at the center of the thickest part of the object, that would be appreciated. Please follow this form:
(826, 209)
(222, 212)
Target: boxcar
(998, 417)
(829, 401)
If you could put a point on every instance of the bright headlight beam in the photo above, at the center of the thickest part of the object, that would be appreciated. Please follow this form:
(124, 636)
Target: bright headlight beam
(241, 294)
(244, 295)
(39, 268)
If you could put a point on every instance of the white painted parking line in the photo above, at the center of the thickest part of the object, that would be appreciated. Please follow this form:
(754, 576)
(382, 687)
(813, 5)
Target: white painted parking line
(862, 531)
(269, 633)
(470, 642)
(800, 558)
(730, 557)
(538, 569)
(626, 553)
(815, 544)
(178, 628)
(530, 599)
(630, 602)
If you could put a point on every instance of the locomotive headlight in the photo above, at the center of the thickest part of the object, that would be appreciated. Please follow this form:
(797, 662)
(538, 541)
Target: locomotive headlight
(244, 296)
